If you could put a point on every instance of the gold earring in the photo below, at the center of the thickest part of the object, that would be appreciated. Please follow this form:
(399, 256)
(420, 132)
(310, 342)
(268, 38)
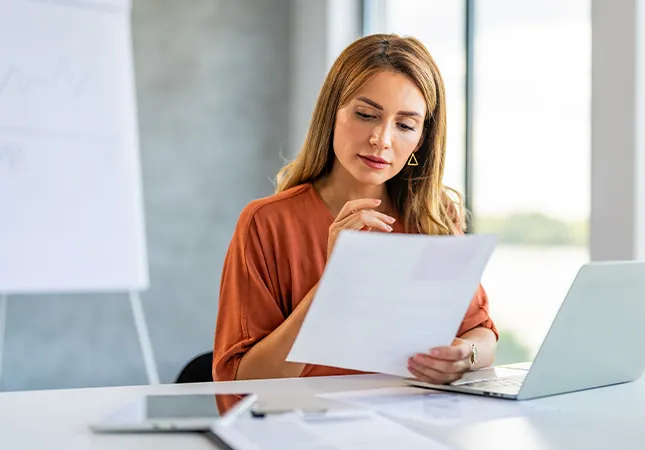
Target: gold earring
(413, 160)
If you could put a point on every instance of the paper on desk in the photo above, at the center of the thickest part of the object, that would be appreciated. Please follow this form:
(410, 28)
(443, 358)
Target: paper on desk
(385, 297)
(435, 407)
(362, 431)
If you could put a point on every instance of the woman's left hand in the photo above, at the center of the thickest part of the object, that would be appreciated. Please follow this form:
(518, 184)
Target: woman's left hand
(444, 364)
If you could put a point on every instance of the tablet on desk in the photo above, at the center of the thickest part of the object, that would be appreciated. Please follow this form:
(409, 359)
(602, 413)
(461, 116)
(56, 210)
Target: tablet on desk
(195, 412)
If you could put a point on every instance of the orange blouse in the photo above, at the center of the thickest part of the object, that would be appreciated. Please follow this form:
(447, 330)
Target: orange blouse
(277, 254)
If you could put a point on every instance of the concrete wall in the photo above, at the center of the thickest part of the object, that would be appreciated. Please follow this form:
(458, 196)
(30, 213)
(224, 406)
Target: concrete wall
(213, 88)
(320, 30)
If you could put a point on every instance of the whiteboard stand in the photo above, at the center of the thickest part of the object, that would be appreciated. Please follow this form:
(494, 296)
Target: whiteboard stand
(139, 322)
(3, 321)
(144, 338)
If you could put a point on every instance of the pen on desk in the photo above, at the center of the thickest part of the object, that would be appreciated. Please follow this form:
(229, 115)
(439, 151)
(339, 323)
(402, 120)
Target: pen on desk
(260, 414)
(313, 414)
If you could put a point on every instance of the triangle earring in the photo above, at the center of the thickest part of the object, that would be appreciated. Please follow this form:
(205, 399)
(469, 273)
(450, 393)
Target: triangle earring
(413, 160)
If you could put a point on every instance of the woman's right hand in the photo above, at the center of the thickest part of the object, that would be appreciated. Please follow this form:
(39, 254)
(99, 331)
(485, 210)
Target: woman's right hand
(358, 215)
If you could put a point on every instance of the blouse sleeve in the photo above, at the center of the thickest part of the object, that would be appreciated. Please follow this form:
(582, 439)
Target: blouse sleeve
(477, 314)
(248, 310)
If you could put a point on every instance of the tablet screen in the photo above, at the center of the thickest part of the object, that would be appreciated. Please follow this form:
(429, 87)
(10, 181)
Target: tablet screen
(188, 406)
(191, 412)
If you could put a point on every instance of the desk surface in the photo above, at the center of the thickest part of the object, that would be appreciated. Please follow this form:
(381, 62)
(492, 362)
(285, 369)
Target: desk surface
(612, 417)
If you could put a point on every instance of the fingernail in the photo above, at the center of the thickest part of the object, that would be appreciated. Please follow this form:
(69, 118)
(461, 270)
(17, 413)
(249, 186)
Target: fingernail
(389, 228)
(391, 219)
(378, 201)
(434, 352)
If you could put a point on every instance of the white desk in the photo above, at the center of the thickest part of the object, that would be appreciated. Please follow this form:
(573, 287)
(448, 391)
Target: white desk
(608, 418)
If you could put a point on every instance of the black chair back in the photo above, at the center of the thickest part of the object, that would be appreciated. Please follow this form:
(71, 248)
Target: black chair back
(198, 370)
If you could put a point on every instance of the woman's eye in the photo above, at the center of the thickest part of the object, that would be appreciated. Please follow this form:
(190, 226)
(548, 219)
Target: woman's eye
(365, 116)
(406, 127)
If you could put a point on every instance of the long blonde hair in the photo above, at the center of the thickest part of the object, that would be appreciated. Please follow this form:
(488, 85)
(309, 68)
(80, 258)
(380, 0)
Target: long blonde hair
(418, 193)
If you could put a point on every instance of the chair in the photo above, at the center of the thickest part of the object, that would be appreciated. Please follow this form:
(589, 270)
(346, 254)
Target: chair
(198, 370)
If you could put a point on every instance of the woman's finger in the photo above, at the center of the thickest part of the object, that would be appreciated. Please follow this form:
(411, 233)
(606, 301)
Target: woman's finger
(430, 377)
(422, 377)
(429, 373)
(364, 219)
(353, 206)
(364, 214)
(452, 353)
(441, 365)
(379, 215)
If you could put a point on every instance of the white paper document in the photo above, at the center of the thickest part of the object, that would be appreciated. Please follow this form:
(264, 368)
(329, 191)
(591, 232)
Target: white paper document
(435, 407)
(362, 431)
(385, 297)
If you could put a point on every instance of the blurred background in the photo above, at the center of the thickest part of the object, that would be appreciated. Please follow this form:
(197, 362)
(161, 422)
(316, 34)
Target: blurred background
(225, 91)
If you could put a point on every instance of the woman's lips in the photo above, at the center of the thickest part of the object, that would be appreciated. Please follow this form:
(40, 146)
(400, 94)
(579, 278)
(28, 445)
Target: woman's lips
(374, 162)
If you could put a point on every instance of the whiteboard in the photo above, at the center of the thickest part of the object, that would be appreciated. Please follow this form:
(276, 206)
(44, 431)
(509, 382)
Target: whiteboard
(71, 214)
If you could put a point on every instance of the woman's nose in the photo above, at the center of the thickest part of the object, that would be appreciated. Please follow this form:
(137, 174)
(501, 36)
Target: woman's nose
(381, 137)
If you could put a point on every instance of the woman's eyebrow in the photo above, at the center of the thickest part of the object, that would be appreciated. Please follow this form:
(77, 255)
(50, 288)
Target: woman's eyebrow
(373, 104)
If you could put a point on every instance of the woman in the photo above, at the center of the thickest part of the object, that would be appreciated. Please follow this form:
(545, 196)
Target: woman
(373, 160)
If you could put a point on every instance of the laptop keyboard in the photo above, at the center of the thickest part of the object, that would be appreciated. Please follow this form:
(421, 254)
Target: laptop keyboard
(506, 385)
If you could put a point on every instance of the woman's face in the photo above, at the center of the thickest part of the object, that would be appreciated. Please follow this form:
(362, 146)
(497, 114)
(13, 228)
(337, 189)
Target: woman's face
(379, 128)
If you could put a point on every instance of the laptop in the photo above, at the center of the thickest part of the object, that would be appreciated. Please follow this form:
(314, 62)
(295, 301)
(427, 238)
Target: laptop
(596, 339)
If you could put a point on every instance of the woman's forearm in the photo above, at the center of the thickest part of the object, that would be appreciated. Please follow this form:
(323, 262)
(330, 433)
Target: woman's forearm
(486, 344)
(266, 359)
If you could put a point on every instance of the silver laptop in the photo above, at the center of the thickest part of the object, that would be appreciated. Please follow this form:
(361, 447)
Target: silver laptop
(596, 339)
